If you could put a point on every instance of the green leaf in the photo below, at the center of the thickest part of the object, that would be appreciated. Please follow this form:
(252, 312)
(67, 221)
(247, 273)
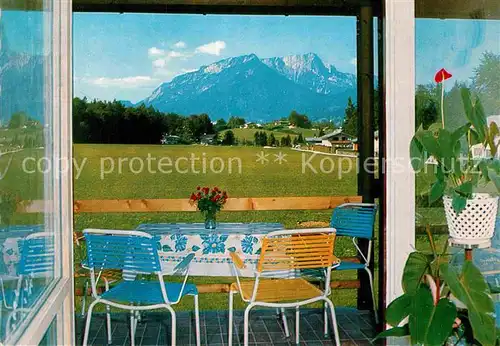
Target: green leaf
(474, 138)
(472, 290)
(394, 332)
(431, 324)
(493, 176)
(493, 133)
(417, 154)
(475, 114)
(441, 324)
(422, 308)
(460, 132)
(398, 309)
(417, 265)
(446, 146)
(429, 143)
(437, 191)
(435, 127)
(465, 189)
(483, 168)
(458, 203)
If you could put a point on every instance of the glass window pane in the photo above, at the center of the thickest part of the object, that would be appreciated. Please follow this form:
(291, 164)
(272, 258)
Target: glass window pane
(28, 227)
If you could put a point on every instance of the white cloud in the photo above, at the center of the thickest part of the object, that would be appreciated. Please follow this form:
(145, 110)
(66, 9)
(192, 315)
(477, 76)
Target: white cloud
(160, 63)
(354, 61)
(124, 82)
(174, 54)
(180, 45)
(188, 70)
(155, 52)
(212, 48)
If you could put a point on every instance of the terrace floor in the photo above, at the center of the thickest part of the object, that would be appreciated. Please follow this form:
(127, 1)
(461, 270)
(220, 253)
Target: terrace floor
(355, 327)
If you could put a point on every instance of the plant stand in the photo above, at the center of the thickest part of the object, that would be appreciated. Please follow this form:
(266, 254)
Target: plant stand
(468, 248)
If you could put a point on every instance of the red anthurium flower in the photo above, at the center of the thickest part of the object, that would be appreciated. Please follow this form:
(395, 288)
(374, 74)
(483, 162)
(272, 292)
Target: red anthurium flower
(442, 75)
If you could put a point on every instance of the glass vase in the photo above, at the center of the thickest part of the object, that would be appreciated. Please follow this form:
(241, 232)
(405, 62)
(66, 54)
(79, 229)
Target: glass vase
(210, 222)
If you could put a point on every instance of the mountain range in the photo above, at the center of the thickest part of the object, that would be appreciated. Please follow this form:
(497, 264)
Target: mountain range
(21, 74)
(258, 89)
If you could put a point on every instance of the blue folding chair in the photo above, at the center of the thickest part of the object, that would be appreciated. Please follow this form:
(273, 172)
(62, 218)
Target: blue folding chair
(357, 220)
(134, 253)
(36, 263)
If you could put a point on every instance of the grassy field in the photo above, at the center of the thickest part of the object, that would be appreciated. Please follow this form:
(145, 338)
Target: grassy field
(112, 171)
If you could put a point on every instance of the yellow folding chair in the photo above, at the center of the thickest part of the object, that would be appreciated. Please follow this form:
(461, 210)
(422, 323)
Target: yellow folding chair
(278, 283)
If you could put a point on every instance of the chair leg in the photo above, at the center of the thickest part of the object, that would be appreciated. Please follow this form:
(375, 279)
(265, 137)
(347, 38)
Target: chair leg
(84, 298)
(334, 321)
(197, 320)
(297, 325)
(132, 328)
(87, 323)
(370, 277)
(285, 323)
(174, 325)
(245, 324)
(325, 319)
(108, 312)
(230, 329)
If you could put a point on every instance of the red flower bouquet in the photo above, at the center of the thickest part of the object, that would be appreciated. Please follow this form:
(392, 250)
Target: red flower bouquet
(209, 202)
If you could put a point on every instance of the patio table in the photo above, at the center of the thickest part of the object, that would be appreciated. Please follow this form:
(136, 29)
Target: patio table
(210, 246)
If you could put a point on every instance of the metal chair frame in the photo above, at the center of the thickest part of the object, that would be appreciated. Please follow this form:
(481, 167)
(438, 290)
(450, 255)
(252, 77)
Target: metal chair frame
(183, 266)
(259, 273)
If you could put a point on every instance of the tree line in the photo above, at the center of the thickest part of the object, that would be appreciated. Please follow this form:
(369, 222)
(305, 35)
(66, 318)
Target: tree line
(113, 123)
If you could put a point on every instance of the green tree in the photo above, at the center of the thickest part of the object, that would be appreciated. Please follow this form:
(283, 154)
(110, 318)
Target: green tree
(321, 132)
(271, 140)
(283, 142)
(300, 139)
(187, 134)
(235, 122)
(18, 120)
(426, 106)
(299, 120)
(486, 82)
(295, 141)
(220, 125)
(350, 125)
(229, 138)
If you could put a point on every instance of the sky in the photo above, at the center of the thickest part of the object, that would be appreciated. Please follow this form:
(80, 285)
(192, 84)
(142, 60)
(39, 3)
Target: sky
(125, 56)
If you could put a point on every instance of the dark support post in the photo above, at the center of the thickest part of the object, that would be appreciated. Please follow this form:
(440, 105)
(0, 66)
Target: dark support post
(366, 111)
(381, 140)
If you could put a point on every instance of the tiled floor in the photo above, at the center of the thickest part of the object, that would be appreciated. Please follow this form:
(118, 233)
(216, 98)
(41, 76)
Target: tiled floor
(356, 328)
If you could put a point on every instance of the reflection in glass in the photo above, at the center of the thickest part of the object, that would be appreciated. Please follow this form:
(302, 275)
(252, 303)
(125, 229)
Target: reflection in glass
(27, 235)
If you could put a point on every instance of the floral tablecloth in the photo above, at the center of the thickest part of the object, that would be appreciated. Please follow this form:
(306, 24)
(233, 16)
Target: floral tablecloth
(211, 247)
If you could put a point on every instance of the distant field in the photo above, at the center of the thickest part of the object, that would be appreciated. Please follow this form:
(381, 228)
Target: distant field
(248, 134)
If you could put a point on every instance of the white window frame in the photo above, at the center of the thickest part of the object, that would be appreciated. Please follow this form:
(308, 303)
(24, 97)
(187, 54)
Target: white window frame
(58, 302)
(399, 55)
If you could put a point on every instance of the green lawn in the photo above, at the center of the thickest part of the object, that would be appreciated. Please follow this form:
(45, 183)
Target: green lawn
(99, 174)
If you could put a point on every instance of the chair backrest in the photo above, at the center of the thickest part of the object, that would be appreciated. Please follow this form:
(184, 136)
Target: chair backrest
(297, 249)
(130, 251)
(37, 254)
(354, 219)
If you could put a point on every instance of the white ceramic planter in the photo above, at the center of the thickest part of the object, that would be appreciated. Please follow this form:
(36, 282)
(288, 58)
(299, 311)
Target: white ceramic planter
(475, 225)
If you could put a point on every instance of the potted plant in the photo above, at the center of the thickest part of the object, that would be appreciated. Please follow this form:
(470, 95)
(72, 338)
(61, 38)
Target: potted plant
(459, 177)
(441, 306)
(209, 202)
